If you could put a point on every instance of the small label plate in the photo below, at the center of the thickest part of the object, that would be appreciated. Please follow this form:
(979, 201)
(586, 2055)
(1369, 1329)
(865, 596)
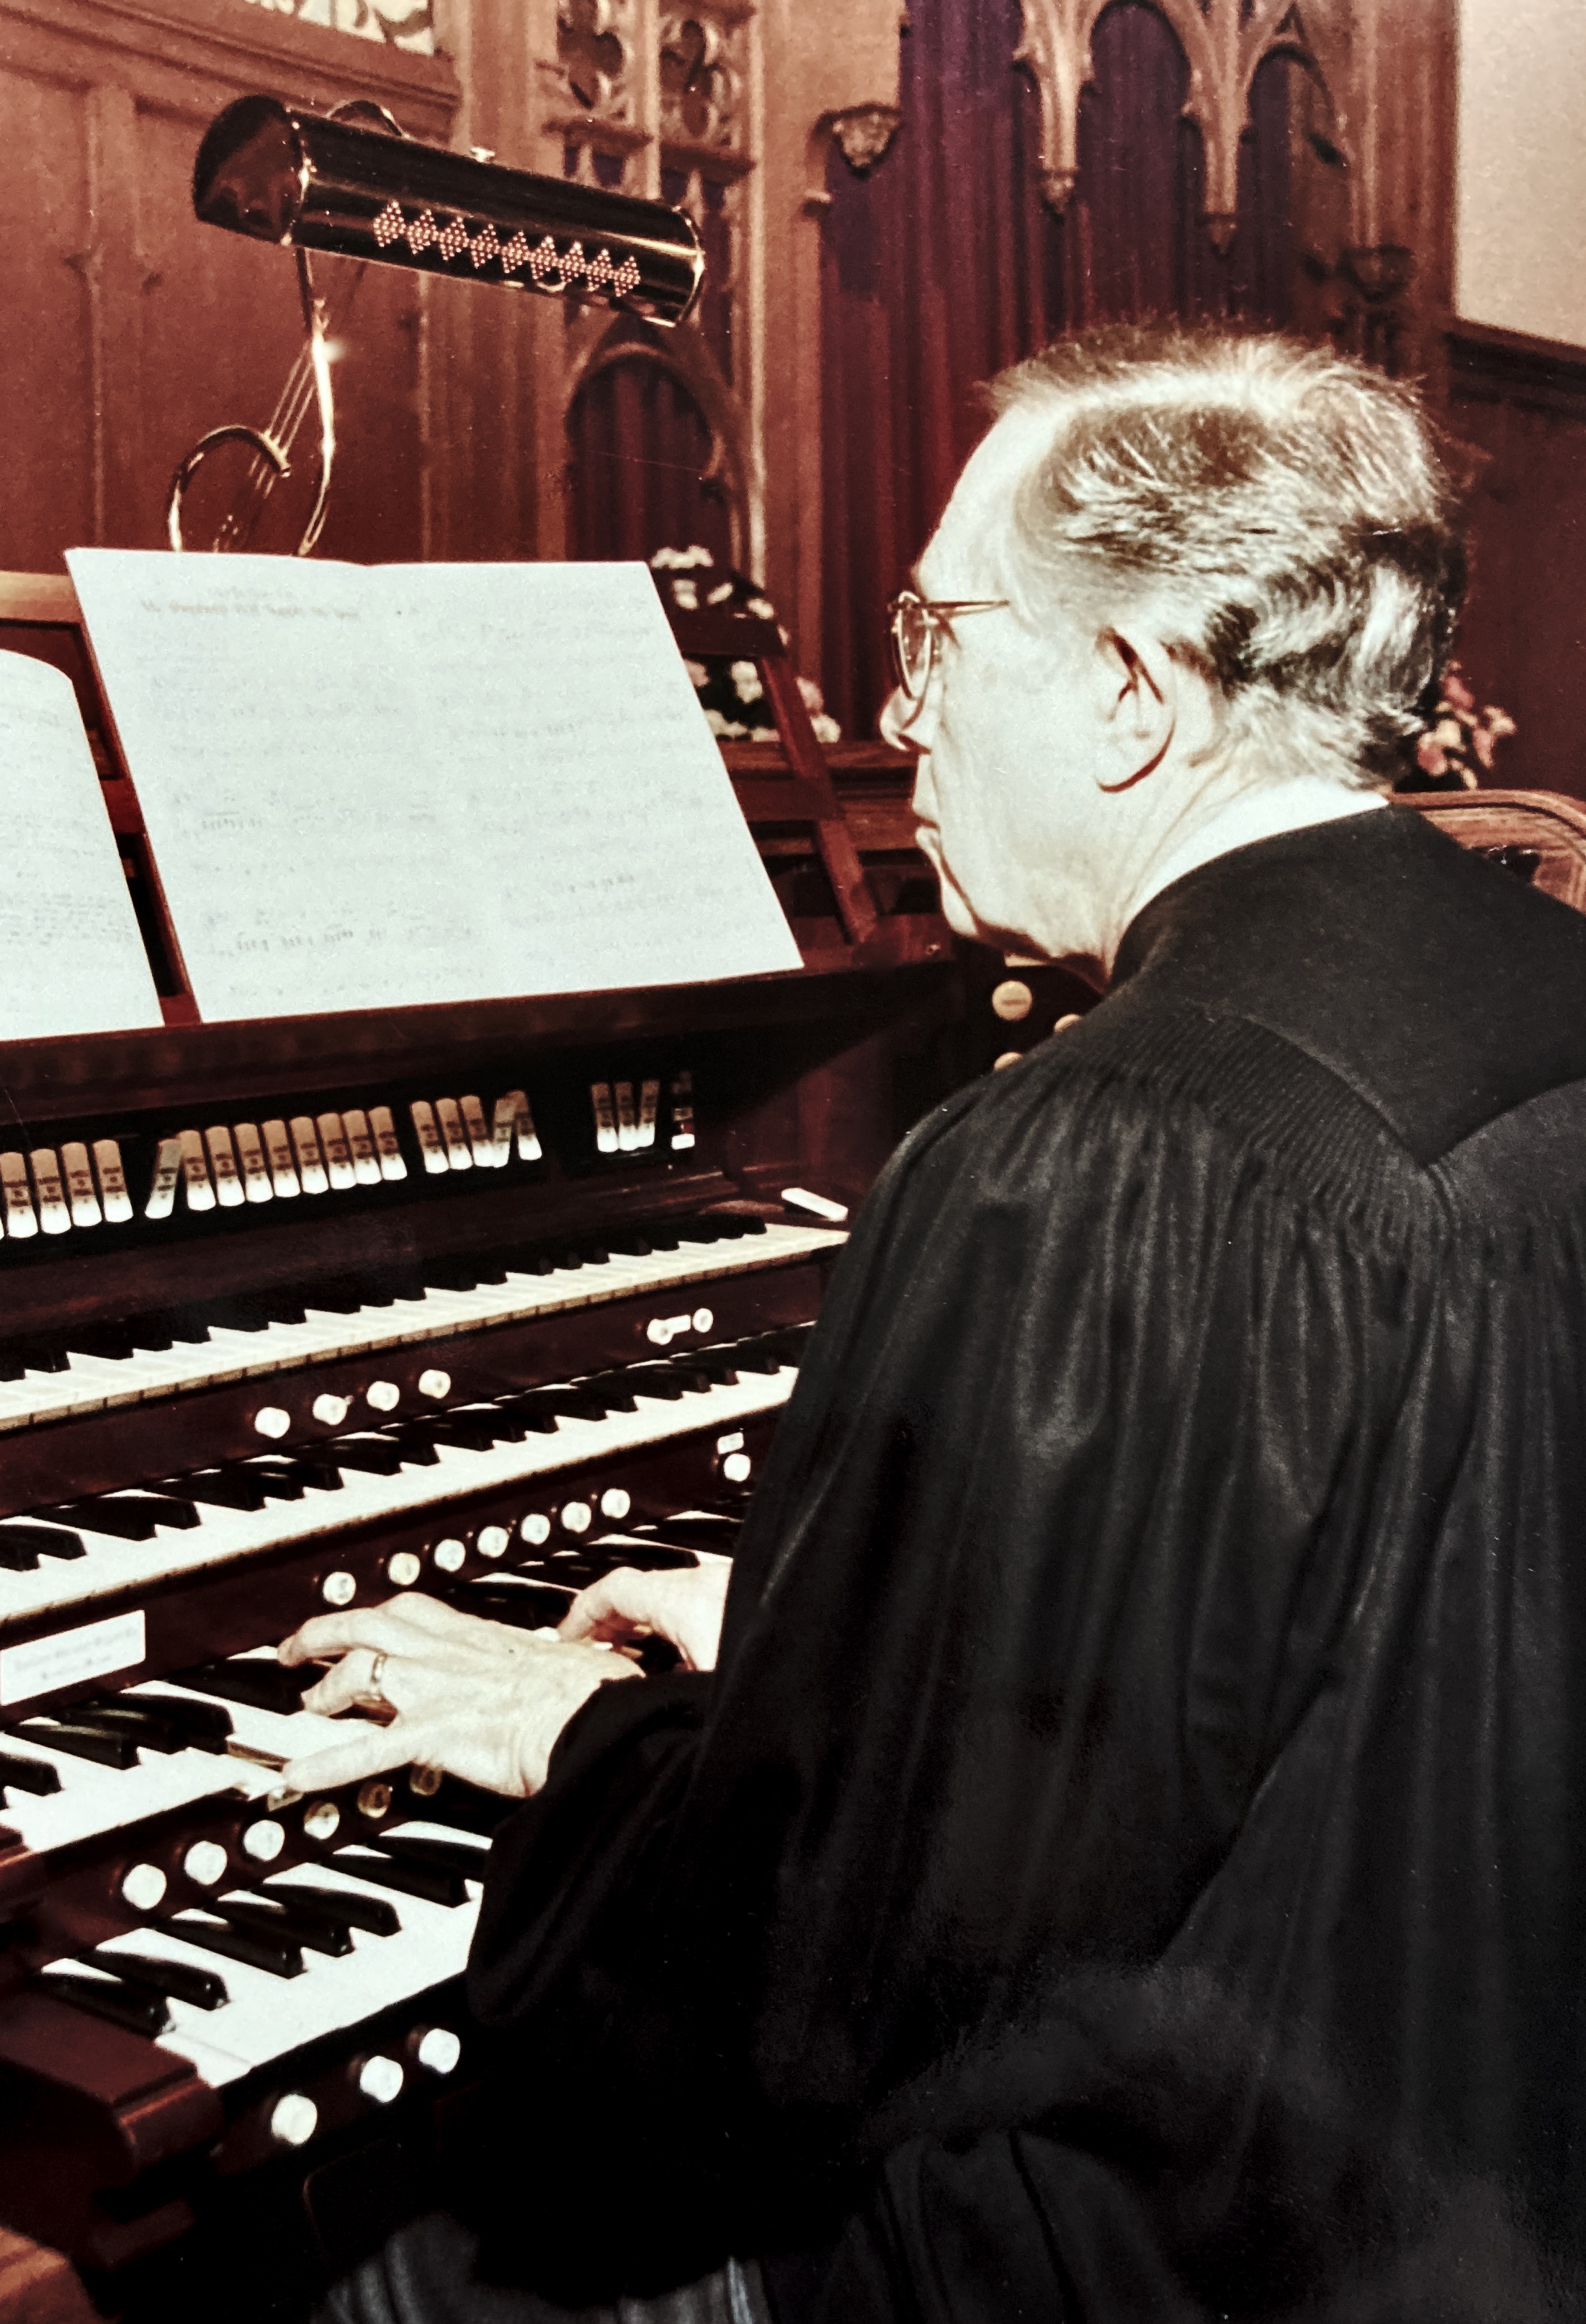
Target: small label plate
(93, 1651)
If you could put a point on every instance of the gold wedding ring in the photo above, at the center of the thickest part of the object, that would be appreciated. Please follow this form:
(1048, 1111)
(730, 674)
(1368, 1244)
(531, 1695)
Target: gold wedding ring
(373, 1697)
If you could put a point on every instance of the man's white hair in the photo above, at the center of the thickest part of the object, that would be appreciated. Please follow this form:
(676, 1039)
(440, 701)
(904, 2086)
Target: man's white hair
(1281, 510)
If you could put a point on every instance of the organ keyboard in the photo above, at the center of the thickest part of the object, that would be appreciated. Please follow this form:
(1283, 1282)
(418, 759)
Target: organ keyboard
(479, 1300)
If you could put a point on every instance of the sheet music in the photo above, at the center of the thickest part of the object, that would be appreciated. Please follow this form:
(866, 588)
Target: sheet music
(68, 937)
(374, 787)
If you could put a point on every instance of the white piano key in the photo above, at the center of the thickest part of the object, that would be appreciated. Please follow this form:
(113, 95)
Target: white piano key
(222, 1535)
(79, 1184)
(93, 1800)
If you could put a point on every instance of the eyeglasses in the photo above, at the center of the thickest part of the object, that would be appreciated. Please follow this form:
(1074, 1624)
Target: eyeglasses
(915, 623)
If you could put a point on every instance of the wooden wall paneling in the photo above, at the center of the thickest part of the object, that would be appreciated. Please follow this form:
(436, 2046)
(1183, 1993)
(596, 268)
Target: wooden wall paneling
(48, 355)
(831, 76)
(1519, 406)
(155, 328)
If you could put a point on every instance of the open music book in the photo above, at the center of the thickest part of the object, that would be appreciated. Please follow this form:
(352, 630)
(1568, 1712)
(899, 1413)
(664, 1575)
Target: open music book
(74, 959)
(370, 787)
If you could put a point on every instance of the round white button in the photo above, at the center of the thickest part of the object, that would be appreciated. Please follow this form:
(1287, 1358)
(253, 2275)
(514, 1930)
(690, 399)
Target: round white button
(293, 2120)
(493, 1541)
(439, 2050)
(404, 1568)
(374, 1801)
(322, 1821)
(383, 1394)
(144, 1887)
(1012, 998)
(615, 1501)
(204, 1862)
(331, 1409)
(339, 1589)
(1062, 1024)
(263, 1841)
(705, 1319)
(1009, 1058)
(448, 1554)
(658, 1331)
(576, 1516)
(737, 1468)
(435, 1384)
(535, 1530)
(270, 1420)
(380, 2078)
(424, 1781)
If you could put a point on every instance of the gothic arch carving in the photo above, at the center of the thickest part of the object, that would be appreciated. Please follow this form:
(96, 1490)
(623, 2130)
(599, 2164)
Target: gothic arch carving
(1224, 41)
(606, 341)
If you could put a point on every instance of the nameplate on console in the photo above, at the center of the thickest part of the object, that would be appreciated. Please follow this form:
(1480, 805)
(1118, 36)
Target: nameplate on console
(93, 1651)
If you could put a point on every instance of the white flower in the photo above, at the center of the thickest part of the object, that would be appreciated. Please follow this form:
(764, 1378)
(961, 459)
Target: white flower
(725, 729)
(763, 609)
(814, 699)
(687, 594)
(827, 729)
(746, 683)
(666, 560)
(697, 556)
(698, 673)
(719, 595)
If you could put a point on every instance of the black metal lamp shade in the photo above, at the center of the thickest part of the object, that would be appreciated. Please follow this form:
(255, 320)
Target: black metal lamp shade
(309, 181)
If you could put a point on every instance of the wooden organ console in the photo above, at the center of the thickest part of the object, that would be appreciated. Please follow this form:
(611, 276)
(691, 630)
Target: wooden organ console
(480, 1300)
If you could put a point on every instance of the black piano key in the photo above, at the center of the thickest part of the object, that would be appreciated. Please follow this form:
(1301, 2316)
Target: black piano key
(35, 1775)
(314, 1465)
(17, 1556)
(429, 1881)
(750, 1356)
(375, 1456)
(719, 1534)
(279, 1955)
(464, 1806)
(242, 1314)
(337, 1297)
(278, 1480)
(280, 1922)
(472, 1432)
(338, 1906)
(130, 1517)
(716, 1366)
(83, 1742)
(655, 1380)
(415, 1445)
(145, 1731)
(614, 1390)
(694, 1378)
(537, 1413)
(42, 1356)
(751, 1226)
(193, 1726)
(13, 1363)
(522, 1605)
(45, 1540)
(661, 1237)
(124, 2005)
(699, 1230)
(263, 1685)
(187, 1328)
(629, 1243)
(179, 1979)
(10, 1836)
(534, 1262)
(460, 1855)
(645, 1555)
(223, 1488)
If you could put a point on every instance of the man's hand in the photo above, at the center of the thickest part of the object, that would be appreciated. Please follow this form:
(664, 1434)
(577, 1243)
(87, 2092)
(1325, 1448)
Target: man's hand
(682, 1605)
(474, 1698)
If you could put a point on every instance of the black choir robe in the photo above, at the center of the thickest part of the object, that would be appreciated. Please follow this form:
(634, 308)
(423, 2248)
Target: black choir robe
(1130, 1861)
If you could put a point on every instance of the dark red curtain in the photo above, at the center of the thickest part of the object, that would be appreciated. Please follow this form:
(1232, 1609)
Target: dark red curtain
(946, 266)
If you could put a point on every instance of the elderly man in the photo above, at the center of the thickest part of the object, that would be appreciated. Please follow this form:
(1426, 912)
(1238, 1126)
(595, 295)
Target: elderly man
(1126, 1863)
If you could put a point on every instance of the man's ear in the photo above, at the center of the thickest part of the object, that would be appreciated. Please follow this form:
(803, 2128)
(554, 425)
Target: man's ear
(1139, 689)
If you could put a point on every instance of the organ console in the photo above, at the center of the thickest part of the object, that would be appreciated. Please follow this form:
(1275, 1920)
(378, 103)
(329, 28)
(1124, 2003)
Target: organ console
(480, 1300)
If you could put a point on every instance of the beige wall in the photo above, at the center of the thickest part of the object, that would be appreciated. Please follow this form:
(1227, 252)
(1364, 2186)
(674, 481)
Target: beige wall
(1520, 213)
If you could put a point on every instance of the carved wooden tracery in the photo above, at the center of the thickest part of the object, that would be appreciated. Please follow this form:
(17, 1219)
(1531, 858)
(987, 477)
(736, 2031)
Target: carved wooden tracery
(1225, 43)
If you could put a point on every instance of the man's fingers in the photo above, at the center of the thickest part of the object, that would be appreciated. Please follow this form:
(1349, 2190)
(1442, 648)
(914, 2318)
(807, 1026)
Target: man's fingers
(348, 1683)
(368, 1750)
(614, 1607)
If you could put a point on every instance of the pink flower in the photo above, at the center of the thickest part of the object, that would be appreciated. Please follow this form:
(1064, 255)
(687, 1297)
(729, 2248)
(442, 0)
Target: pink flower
(1482, 743)
(1430, 756)
(1455, 692)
